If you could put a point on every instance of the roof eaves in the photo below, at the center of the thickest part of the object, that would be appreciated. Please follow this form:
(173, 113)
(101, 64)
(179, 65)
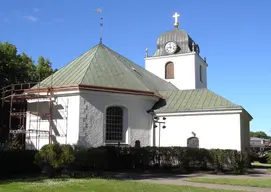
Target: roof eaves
(245, 111)
(200, 109)
(118, 90)
(94, 88)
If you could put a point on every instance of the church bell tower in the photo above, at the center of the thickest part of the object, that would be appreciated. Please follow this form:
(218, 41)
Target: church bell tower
(177, 60)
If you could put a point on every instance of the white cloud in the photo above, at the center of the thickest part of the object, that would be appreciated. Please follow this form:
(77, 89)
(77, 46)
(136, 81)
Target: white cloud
(31, 18)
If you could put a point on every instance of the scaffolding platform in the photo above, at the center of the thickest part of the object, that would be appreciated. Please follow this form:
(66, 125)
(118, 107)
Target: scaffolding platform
(14, 101)
(23, 131)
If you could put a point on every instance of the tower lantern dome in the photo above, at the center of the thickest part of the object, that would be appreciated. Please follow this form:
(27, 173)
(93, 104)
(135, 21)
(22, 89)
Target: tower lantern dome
(179, 38)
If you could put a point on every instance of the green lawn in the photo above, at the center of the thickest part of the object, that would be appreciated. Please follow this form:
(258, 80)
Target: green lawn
(258, 164)
(252, 182)
(96, 185)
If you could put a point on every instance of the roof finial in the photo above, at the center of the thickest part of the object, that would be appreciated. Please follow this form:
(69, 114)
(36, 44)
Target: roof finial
(193, 46)
(176, 23)
(99, 10)
(146, 52)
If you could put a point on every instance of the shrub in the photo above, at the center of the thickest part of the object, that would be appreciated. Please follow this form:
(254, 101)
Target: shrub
(254, 156)
(217, 159)
(239, 161)
(54, 158)
(268, 158)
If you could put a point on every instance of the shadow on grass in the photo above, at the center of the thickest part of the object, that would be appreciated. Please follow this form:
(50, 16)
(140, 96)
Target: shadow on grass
(127, 175)
(122, 176)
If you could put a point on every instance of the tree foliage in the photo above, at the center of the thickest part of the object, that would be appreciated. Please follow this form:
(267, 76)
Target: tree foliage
(20, 68)
(44, 67)
(259, 134)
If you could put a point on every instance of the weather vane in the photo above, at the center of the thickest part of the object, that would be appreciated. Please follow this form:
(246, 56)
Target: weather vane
(99, 10)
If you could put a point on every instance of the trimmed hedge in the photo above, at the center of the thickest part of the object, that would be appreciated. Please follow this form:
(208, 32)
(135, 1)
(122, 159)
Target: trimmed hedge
(72, 159)
(16, 162)
(114, 158)
(145, 158)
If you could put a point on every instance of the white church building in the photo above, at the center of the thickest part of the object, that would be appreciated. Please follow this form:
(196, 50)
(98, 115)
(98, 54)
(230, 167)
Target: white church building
(102, 98)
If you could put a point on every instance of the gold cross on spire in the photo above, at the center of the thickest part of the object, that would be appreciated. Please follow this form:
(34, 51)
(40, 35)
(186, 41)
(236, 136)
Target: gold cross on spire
(176, 23)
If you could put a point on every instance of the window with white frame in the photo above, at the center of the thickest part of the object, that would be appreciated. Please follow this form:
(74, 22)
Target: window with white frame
(114, 124)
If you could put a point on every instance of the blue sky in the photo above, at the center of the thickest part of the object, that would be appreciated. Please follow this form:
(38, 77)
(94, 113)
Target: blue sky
(233, 35)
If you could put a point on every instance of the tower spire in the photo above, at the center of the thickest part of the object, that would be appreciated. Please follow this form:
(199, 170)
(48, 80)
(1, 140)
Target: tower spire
(99, 10)
(176, 23)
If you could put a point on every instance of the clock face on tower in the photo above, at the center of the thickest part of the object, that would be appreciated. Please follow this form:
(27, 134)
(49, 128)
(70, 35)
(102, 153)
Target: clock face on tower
(170, 47)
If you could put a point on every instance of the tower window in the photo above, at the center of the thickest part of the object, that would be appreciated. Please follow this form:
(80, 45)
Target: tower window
(200, 73)
(169, 71)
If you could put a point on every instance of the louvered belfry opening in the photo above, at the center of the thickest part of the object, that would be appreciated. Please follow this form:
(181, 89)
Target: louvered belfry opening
(169, 70)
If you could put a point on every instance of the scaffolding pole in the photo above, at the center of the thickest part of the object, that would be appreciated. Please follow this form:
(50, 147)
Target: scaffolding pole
(15, 99)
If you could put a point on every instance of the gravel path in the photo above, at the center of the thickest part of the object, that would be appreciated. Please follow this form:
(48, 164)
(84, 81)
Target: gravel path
(180, 179)
(205, 185)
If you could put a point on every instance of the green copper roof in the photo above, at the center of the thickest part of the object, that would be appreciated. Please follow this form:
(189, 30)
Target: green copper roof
(101, 66)
(194, 100)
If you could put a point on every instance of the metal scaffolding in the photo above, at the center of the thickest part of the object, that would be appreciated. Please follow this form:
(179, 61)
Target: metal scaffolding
(14, 104)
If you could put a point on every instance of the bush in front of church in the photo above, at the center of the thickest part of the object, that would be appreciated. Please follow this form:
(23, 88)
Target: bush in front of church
(53, 159)
(160, 159)
(229, 160)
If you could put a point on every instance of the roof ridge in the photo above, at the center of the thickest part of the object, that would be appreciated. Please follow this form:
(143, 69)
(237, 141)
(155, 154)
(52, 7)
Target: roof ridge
(103, 66)
(97, 47)
(59, 72)
(114, 55)
(140, 70)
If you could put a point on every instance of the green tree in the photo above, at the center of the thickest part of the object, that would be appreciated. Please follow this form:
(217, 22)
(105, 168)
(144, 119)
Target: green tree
(44, 68)
(259, 134)
(27, 69)
(8, 64)
(20, 68)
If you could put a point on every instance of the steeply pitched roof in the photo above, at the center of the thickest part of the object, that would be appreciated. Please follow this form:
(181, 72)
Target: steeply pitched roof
(103, 67)
(194, 100)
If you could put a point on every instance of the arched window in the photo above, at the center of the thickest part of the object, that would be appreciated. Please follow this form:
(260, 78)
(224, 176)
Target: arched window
(169, 71)
(200, 73)
(114, 124)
